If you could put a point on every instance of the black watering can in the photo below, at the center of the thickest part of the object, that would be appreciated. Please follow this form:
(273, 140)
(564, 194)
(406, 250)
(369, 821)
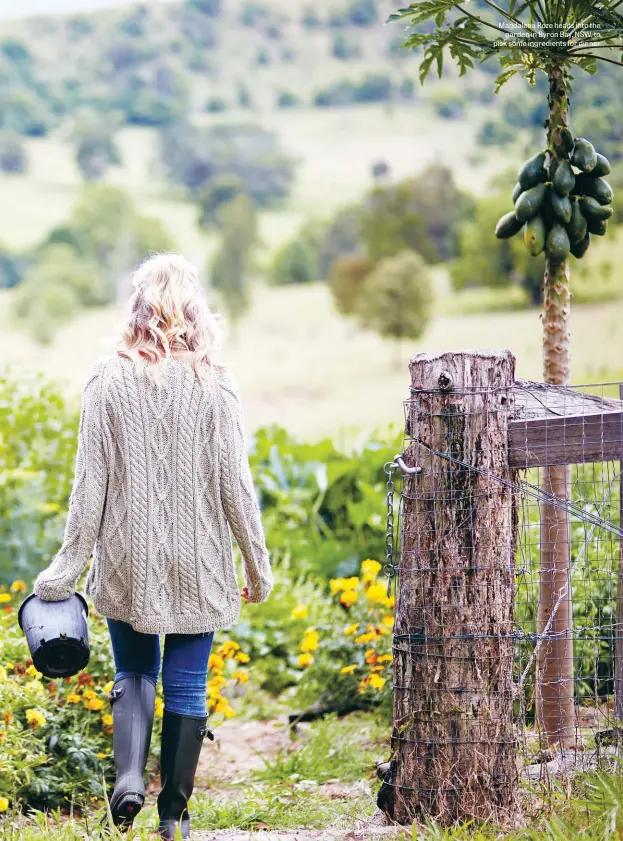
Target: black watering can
(56, 633)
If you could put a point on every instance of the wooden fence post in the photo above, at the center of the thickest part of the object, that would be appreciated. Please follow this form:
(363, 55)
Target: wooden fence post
(618, 626)
(453, 741)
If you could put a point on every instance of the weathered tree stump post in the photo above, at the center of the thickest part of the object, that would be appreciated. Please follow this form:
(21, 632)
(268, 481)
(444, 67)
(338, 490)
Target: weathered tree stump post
(618, 626)
(453, 741)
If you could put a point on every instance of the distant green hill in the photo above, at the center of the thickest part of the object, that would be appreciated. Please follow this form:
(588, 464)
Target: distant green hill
(154, 63)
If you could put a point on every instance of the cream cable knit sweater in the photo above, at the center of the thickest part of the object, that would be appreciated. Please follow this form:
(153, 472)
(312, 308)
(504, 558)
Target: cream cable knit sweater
(160, 473)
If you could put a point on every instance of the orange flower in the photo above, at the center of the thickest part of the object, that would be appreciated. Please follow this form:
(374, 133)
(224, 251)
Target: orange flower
(85, 679)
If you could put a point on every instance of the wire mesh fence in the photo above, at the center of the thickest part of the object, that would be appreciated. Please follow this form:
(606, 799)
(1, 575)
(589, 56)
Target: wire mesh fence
(508, 644)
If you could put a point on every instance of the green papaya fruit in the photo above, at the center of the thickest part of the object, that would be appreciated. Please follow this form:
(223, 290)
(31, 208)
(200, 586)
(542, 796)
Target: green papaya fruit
(591, 207)
(557, 245)
(577, 226)
(508, 226)
(529, 203)
(532, 172)
(602, 167)
(597, 188)
(517, 191)
(564, 179)
(579, 249)
(584, 155)
(566, 140)
(597, 226)
(561, 207)
(546, 213)
(534, 235)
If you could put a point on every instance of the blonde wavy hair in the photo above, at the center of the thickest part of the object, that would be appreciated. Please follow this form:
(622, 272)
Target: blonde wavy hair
(168, 316)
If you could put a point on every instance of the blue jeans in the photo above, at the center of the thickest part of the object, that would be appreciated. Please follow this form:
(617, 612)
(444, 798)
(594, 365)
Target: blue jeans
(184, 665)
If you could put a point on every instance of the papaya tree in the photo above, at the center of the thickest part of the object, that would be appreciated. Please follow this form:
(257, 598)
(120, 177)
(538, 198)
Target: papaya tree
(560, 201)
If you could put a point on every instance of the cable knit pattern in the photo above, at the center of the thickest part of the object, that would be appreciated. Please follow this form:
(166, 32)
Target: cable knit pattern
(161, 477)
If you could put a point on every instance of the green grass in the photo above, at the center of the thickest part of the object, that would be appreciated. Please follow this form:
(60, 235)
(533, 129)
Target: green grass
(334, 749)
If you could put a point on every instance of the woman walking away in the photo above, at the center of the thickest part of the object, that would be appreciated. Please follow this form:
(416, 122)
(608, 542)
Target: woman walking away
(161, 475)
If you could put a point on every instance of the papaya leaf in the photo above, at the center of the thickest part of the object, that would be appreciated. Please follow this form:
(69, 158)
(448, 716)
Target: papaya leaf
(503, 78)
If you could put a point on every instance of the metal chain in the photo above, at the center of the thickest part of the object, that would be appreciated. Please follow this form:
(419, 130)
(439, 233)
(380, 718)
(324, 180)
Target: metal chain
(389, 569)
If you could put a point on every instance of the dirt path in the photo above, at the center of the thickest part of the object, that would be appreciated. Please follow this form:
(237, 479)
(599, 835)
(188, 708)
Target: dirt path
(238, 749)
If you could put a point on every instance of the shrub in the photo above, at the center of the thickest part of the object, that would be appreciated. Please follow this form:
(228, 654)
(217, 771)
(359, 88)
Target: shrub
(375, 87)
(397, 297)
(206, 7)
(343, 47)
(297, 261)
(348, 276)
(216, 105)
(486, 261)
(13, 157)
(447, 102)
(193, 157)
(310, 18)
(254, 13)
(347, 661)
(362, 12)
(287, 99)
(340, 93)
(496, 133)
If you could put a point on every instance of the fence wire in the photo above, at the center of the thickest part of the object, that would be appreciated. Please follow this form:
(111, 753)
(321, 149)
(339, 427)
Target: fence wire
(540, 632)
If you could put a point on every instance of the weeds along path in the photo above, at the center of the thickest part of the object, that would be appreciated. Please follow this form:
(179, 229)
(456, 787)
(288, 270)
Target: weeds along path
(228, 775)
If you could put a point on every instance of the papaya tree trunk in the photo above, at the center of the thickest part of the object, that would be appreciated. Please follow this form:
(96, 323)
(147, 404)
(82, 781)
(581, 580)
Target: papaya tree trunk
(555, 690)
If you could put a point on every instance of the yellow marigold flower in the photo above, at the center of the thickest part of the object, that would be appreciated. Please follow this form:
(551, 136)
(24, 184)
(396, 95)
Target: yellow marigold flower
(108, 686)
(299, 612)
(72, 698)
(310, 640)
(377, 682)
(241, 657)
(18, 586)
(363, 638)
(347, 670)
(351, 629)
(32, 670)
(224, 708)
(214, 692)
(351, 583)
(371, 656)
(388, 620)
(229, 648)
(363, 684)
(89, 695)
(376, 593)
(305, 660)
(5, 597)
(159, 708)
(3, 673)
(370, 569)
(349, 597)
(4, 804)
(107, 720)
(7, 717)
(240, 675)
(94, 704)
(35, 718)
(215, 663)
(101, 755)
(389, 601)
(337, 584)
(384, 658)
(217, 680)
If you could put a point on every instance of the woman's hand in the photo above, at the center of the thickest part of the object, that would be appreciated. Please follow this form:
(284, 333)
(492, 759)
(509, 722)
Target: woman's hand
(245, 594)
